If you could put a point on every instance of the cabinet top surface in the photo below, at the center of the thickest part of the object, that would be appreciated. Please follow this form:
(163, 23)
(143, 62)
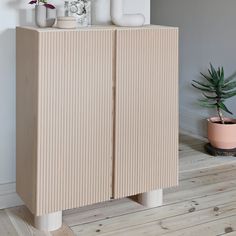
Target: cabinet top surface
(95, 27)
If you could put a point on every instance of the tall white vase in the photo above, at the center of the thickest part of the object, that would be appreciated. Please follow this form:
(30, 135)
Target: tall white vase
(119, 18)
(112, 11)
(101, 14)
(41, 16)
(51, 17)
(44, 17)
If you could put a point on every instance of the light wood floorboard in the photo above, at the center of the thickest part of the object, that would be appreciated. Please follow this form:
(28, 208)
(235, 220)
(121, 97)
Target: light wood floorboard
(204, 204)
(6, 227)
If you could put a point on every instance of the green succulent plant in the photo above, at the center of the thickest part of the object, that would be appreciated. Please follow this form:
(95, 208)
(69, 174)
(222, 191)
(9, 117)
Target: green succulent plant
(216, 90)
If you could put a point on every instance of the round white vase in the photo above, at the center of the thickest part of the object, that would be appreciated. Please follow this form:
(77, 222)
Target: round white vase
(41, 16)
(44, 17)
(101, 14)
(51, 17)
(119, 18)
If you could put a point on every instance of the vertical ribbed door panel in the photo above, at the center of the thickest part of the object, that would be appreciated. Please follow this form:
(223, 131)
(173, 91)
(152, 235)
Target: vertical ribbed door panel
(71, 159)
(74, 119)
(146, 128)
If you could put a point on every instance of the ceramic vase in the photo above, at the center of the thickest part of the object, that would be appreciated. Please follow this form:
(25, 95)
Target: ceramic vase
(101, 14)
(44, 17)
(119, 18)
(111, 11)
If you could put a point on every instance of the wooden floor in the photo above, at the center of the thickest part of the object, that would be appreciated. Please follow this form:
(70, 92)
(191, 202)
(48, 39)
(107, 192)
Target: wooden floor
(204, 204)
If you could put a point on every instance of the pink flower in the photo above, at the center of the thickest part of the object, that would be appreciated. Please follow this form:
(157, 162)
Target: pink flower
(47, 5)
(33, 2)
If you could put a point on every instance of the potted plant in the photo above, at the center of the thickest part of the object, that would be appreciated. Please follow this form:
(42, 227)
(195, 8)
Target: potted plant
(215, 91)
(45, 13)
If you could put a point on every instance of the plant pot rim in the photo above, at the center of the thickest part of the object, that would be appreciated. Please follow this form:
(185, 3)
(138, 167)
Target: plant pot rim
(217, 119)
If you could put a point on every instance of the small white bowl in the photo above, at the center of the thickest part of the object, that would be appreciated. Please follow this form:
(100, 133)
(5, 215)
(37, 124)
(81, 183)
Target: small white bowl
(66, 22)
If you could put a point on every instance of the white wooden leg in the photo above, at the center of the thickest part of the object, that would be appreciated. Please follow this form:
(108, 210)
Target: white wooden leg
(49, 222)
(151, 199)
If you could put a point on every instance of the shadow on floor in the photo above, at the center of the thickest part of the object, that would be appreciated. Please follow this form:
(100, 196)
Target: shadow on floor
(194, 143)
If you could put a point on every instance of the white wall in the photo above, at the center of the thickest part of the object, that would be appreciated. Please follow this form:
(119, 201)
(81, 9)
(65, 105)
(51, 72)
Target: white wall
(12, 14)
(207, 34)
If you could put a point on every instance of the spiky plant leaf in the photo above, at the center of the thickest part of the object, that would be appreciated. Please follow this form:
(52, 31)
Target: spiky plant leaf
(222, 72)
(210, 73)
(203, 100)
(230, 78)
(217, 90)
(229, 94)
(221, 77)
(203, 89)
(202, 84)
(229, 86)
(224, 108)
(207, 105)
(209, 97)
(209, 79)
(213, 73)
(219, 72)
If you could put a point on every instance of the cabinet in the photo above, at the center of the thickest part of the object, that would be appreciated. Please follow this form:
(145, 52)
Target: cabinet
(146, 127)
(97, 114)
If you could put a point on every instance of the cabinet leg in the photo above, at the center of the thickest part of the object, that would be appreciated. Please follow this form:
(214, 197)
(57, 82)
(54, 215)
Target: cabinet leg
(151, 199)
(48, 222)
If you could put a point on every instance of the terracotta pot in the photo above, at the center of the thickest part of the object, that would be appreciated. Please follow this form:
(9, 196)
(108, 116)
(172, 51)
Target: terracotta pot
(222, 136)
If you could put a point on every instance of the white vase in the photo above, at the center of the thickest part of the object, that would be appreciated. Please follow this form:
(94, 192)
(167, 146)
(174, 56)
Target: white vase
(111, 11)
(44, 17)
(51, 17)
(101, 12)
(119, 18)
(41, 16)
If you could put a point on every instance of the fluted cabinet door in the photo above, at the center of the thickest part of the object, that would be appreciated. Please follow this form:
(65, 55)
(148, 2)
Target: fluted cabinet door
(73, 121)
(146, 124)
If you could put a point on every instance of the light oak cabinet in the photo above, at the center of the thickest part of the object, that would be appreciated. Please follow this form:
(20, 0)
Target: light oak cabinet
(97, 114)
(146, 123)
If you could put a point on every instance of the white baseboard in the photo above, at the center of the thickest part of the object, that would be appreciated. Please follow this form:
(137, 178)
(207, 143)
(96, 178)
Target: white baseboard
(8, 196)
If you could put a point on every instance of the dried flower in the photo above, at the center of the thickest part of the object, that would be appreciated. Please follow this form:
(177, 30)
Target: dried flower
(44, 3)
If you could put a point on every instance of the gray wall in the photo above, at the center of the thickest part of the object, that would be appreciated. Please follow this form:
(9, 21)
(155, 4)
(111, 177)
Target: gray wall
(207, 34)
